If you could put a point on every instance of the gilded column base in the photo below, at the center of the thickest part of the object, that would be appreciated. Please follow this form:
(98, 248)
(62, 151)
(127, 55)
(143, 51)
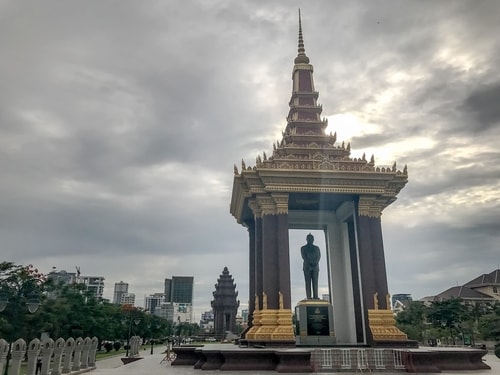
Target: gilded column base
(272, 325)
(383, 326)
(284, 331)
(268, 323)
(250, 335)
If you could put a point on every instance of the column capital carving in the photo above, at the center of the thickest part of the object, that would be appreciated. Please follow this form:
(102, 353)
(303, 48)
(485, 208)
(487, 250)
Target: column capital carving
(255, 207)
(269, 204)
(370, 206)
(266, 204)
(281, 201)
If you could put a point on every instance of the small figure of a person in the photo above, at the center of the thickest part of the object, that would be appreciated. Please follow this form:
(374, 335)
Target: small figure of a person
(38, 365)
(311, 256)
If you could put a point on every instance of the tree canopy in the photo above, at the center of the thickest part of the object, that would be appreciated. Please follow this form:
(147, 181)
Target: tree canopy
(70, 310)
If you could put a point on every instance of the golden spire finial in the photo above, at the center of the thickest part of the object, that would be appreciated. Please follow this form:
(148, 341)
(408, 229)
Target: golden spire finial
(301, 57)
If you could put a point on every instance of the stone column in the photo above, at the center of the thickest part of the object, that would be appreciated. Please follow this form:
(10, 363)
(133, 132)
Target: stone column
(270, 260)
(378, 317)
(4, 350)
(256, 286)
(251, 271)
(33, 350)
(273, 259)
(58, 351)
(283, 250)
(134, 346)
(47, 348)
(93, 351)
(379, 262)
(68, 355)
(77, 354)
(85, 353)
(17, 352)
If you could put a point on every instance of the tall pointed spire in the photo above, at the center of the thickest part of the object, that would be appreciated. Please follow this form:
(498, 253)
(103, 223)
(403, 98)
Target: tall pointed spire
(301, 56)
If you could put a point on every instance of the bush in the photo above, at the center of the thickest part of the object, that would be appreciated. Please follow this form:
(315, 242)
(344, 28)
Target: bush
(117, 345)
(108, 346)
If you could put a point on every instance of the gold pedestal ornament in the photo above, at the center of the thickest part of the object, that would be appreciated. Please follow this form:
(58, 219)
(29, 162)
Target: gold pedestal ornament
(271, 324)
(383, 325)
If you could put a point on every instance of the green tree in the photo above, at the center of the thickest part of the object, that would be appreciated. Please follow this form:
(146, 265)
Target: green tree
(412, 320)
(186, 329)
(67, 310)
(447, 315)
(19, 286)
(489, 324)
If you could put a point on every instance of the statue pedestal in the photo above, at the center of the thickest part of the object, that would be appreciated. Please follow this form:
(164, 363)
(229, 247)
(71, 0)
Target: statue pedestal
(314, 323)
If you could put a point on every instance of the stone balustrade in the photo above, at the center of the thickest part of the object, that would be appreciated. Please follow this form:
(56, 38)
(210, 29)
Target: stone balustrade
(57, 357)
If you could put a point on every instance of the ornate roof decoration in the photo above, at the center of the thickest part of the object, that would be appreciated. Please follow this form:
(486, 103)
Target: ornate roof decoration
(306, 159)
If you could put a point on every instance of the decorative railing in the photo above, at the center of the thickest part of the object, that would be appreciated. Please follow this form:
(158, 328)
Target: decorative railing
(357, 359)
(55, 357)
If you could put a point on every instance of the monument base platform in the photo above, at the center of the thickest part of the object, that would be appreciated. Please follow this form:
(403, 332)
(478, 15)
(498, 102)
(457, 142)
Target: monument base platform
(429, 361)
(227, 357)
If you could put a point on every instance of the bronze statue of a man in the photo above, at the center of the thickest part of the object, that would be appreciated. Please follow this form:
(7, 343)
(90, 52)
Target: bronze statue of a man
(311, 256)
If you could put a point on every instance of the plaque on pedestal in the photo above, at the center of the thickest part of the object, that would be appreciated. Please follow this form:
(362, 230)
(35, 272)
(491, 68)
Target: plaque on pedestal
(315, 323)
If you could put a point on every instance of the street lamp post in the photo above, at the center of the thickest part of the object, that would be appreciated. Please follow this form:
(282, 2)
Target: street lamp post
(32, 305)
(157, 326)
(130, 320)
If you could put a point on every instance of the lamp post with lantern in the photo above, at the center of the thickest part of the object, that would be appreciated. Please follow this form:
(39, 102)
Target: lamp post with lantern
(130, 319)
(32, 305)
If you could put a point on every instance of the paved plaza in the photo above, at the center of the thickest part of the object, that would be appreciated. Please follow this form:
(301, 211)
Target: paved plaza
(151, 365)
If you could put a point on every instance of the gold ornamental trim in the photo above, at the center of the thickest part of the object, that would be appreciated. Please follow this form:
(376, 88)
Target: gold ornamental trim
(271, 324)
(383, 326)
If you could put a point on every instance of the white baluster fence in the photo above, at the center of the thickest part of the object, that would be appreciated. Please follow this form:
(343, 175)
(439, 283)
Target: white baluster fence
(57, 358)
(364, 360)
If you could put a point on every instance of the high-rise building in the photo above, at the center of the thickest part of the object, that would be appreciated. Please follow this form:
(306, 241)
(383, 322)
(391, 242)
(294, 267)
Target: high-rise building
(94, 284)
(165, 310)
(121, 288)
(183, 312)
(179, 292)
(152, 301)
(207, 321)
(244, 316)
(127, 299)
(167, 289)
(61, 277)
(182, 289)
(403, 298)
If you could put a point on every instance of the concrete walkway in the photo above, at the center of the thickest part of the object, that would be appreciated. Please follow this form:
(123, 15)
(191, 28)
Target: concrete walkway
(150, 365)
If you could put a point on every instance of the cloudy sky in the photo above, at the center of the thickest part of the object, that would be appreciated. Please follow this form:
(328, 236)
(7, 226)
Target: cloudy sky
(120, 123)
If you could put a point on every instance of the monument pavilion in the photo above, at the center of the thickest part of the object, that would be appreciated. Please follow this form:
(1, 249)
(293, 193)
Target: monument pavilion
(310, 181)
